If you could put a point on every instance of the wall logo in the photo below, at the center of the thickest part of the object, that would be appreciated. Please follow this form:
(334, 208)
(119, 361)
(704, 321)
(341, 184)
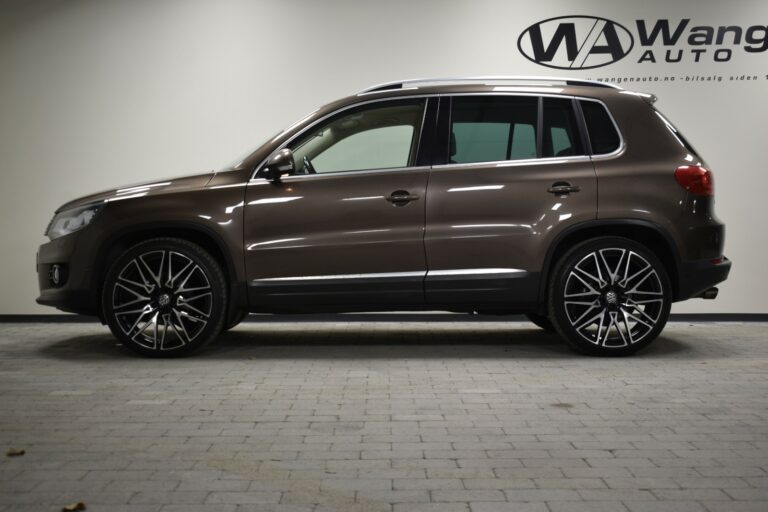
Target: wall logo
(587, 42)
(575, 42)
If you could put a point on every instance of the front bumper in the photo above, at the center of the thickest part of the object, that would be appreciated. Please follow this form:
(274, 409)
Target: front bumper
(698, 276)
(76, 294)
(71, 301)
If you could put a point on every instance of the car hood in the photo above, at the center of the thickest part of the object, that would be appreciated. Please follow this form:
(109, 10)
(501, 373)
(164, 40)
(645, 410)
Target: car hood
(149, 188)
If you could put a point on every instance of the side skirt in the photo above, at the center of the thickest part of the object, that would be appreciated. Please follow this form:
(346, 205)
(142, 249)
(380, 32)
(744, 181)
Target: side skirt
(464, 290)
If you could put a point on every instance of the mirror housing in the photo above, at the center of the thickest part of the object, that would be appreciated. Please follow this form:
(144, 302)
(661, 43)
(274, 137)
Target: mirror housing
(281, 164)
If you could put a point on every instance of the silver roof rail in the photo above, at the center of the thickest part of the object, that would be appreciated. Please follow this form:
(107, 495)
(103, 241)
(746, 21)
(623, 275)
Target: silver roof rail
(527, 80)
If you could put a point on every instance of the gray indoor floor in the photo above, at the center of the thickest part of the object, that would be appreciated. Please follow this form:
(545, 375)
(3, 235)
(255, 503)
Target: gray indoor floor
(390, 415)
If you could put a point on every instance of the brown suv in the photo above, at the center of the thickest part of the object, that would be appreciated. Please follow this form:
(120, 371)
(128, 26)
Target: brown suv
(574, 202)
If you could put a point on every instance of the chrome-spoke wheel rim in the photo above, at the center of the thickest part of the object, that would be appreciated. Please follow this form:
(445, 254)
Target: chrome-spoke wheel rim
(162, 300)
(613, 297)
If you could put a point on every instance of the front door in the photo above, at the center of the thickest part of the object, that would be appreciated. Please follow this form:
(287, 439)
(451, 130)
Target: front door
(494, 207)
(347, 230)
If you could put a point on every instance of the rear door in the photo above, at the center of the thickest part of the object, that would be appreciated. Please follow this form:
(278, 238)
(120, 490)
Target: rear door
(515, 175)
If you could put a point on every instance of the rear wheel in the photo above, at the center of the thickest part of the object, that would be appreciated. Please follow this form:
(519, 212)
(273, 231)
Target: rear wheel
(165, 297)
(609, 297)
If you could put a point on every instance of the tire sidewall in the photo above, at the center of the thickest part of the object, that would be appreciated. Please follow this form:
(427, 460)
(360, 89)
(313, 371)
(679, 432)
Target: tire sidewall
(200, 257)
(556, 305)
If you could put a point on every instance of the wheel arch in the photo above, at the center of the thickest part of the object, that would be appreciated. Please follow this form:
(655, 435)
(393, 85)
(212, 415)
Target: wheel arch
(193, 232)
(645, 232)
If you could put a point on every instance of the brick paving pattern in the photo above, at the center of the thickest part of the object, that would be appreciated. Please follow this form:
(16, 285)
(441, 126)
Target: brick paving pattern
(396, 415)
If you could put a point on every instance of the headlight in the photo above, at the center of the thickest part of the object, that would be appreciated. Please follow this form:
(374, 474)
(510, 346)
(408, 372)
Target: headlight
(69, 221)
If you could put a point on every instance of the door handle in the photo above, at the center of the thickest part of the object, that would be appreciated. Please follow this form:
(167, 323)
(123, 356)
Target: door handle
(563, 188)
(401, 197)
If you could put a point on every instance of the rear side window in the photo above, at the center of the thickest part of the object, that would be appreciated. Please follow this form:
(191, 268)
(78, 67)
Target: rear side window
(602, 132)
(560, 135)
(493, 129)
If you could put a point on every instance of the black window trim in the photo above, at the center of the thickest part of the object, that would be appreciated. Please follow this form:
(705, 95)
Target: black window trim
(540, 128)
(441, 155)
(425, 145)
(582, 122)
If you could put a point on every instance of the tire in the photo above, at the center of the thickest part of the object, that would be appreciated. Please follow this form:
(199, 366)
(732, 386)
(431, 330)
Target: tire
(165, 297)
(619, 292)
(235, 321)
(540, 321)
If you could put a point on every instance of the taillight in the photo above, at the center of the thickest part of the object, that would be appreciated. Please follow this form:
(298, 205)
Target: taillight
(695, 179)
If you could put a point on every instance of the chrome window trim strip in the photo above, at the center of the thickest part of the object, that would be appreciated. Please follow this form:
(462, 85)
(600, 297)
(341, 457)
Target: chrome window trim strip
(351, 173)
(515, 163)
(617, 152)
(379, 275)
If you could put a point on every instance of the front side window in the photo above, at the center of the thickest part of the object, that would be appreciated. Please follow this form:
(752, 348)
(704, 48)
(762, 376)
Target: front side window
(488, 129)
(378, 136)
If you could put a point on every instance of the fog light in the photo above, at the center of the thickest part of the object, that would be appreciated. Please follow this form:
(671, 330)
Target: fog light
(56, 274)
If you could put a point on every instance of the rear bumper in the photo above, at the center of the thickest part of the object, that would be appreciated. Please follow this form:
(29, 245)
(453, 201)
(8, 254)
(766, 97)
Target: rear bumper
(698, 276)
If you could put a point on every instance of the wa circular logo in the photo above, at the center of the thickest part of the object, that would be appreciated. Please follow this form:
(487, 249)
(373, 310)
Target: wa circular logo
(575, 42)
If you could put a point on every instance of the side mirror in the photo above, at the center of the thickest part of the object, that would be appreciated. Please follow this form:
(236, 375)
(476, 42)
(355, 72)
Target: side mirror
(281, 164)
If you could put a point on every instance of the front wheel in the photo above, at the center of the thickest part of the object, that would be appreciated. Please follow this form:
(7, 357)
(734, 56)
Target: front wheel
(165, 297)
(609, 296)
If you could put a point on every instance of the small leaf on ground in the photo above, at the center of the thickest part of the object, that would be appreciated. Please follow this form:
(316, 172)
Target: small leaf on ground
(73, 507)
(15, 452)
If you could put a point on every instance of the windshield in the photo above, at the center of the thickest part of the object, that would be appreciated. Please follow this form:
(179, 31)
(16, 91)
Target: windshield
(234, 164)
(239, 161)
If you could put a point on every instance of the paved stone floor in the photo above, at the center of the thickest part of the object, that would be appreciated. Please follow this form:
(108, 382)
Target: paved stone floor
(391, 415)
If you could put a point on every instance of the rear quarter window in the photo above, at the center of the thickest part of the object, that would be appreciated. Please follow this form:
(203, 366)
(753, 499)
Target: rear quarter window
(602, 132)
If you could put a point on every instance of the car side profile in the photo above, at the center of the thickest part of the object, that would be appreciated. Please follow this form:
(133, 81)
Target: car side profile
(574, 202)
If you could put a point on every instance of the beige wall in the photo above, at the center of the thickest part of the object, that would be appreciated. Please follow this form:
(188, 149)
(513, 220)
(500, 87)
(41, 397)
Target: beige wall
(95, 94)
